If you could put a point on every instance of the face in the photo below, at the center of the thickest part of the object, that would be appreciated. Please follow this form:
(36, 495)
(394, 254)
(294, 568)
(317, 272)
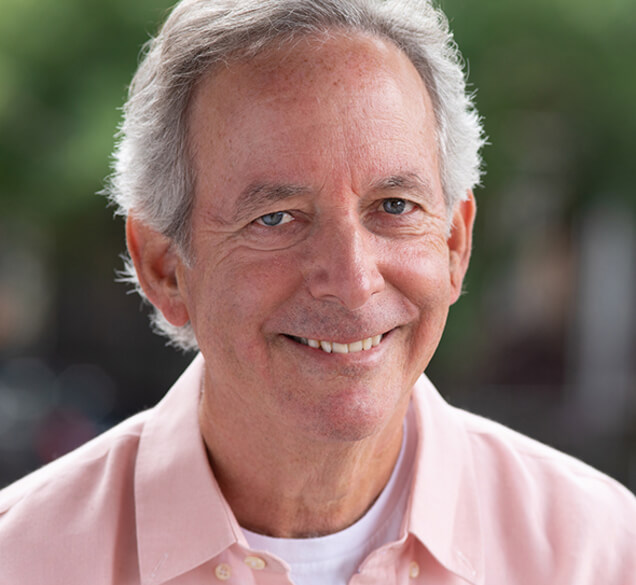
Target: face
(322, 271)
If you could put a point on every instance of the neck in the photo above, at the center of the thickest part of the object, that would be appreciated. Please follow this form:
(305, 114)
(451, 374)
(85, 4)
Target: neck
(281, 484)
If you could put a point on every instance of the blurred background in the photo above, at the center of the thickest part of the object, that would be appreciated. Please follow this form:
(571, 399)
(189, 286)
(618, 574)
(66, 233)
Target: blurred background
(544, 338)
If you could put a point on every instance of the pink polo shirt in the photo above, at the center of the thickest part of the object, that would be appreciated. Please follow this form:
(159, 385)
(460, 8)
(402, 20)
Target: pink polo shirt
(139, 505)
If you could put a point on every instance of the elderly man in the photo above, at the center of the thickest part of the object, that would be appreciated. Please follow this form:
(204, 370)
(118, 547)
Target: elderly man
(296, 177)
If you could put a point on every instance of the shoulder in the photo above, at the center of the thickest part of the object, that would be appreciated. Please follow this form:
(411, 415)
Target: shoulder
(62, 503)
(551, 504)
(77, 468)
(517, 457)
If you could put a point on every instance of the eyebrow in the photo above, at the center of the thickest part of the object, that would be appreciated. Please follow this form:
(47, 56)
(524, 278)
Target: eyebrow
(257, 195)
(409, 182)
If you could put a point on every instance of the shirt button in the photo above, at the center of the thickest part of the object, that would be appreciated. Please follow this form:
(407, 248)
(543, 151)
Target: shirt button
(255, 563)
(414, 570)
(223, 572)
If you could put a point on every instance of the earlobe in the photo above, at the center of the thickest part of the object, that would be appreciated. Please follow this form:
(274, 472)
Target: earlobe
(157, 263)
(460, 242)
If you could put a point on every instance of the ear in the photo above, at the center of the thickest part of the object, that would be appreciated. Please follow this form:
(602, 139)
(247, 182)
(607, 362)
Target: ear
(460, 242)
(158, 265)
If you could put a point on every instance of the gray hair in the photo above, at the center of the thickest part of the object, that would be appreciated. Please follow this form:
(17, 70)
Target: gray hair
(152, 171)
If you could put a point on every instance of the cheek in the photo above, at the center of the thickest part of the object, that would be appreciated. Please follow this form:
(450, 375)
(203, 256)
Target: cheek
(236, 298)
(421, 275)
(421, 272)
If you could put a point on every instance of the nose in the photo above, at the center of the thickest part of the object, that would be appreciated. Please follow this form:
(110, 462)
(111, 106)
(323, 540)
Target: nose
(343, 264)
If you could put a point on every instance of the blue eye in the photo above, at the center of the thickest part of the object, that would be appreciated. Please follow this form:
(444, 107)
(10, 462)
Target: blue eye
(396, 206)
(275, 219)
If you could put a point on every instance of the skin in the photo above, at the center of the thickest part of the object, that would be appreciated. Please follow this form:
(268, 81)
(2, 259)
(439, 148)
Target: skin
(318, 213)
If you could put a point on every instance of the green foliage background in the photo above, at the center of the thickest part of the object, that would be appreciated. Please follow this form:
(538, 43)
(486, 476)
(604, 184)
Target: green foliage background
(64, 66)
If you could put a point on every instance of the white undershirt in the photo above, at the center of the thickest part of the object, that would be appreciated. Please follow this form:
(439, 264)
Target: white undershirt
(333, 559)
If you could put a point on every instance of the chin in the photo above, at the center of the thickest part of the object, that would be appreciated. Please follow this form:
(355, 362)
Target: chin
(353, 419)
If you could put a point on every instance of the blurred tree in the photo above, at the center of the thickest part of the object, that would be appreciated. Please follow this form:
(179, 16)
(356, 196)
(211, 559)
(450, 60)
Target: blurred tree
(64, 67)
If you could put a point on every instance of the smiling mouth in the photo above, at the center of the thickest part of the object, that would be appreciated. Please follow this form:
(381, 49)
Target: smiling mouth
(335, 347)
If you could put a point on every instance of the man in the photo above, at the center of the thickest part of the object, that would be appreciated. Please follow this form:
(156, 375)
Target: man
(296, 177)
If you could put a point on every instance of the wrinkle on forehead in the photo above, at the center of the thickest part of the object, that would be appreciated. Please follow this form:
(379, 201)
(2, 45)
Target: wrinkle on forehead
(277, 74)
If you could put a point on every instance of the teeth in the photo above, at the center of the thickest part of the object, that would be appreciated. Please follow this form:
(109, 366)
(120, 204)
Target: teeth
(340, 347)
(335, 347)
(355, 346)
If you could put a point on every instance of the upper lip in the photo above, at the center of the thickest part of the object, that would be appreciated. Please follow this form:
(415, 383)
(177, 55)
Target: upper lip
(342, 326)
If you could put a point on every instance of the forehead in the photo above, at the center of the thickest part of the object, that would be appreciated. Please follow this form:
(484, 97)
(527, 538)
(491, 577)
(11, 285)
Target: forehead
(311, 104)
(308, 69)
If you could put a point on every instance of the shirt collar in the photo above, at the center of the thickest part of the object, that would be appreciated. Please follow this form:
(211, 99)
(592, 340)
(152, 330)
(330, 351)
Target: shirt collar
(182, 518)
(444, 509)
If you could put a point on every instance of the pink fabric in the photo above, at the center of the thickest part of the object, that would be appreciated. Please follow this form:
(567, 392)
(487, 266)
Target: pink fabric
(488, 506)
